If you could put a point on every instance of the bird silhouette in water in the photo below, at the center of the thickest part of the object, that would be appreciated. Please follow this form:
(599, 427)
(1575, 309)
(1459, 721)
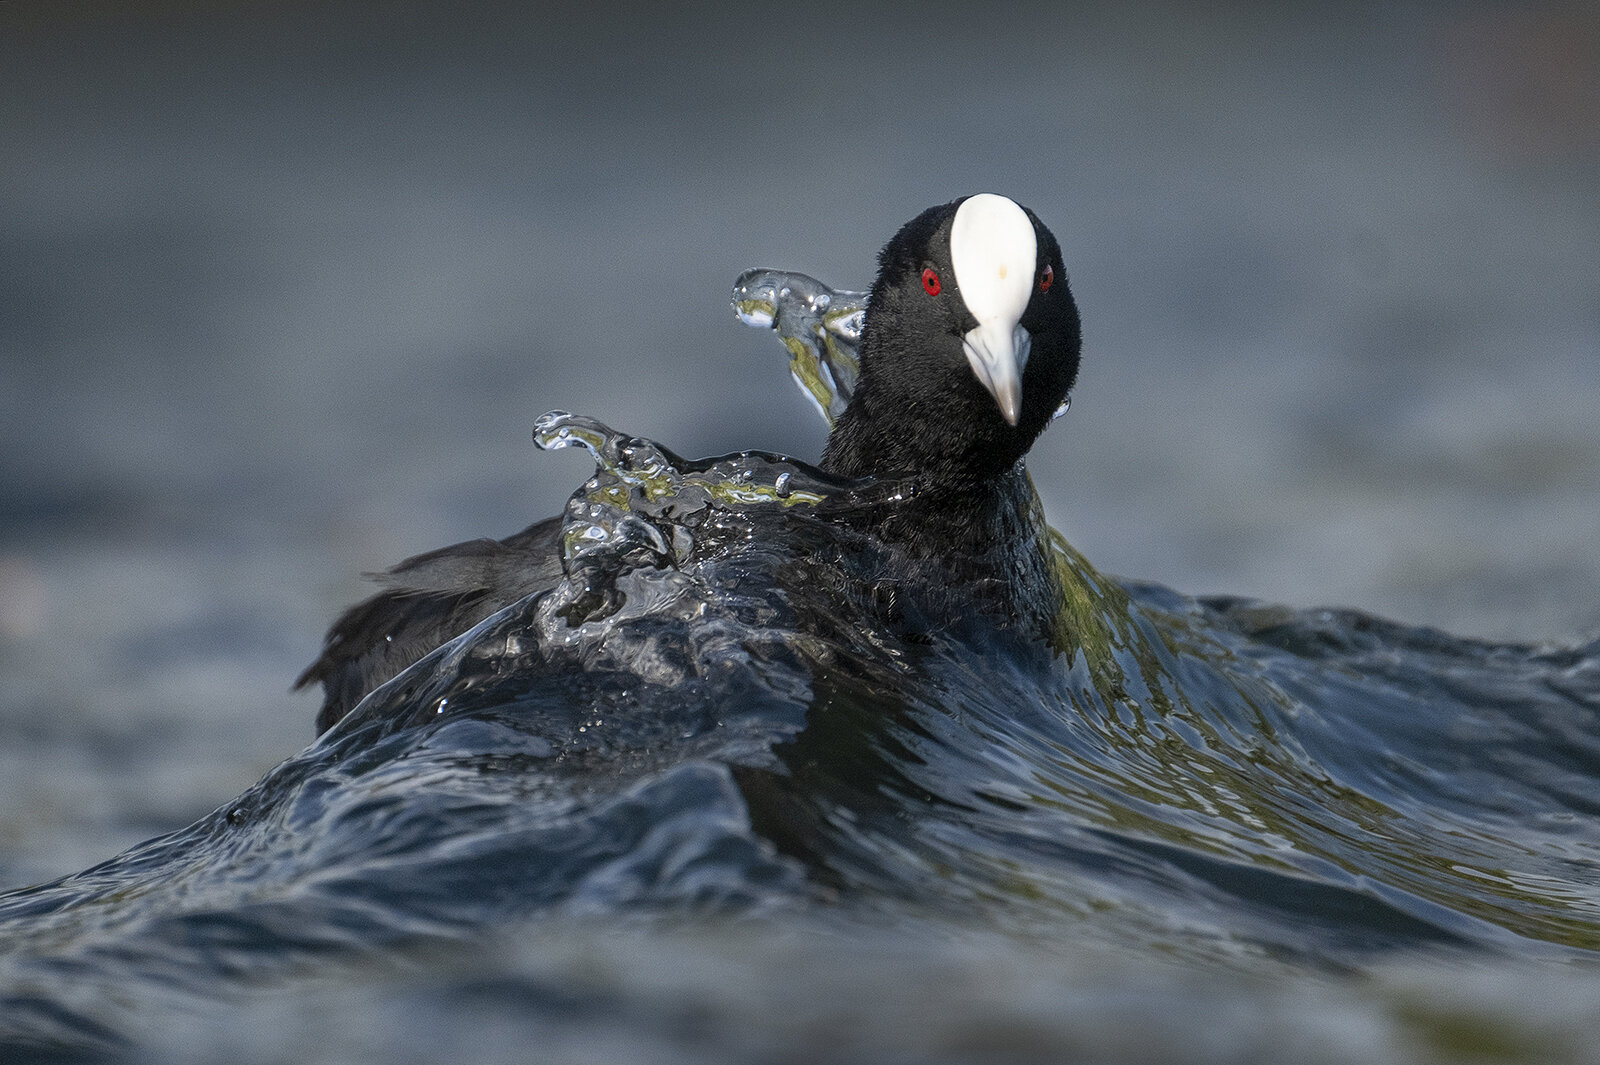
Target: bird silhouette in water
(969, 345)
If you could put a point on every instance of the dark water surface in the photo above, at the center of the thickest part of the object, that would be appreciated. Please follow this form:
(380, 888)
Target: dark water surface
(724, 710)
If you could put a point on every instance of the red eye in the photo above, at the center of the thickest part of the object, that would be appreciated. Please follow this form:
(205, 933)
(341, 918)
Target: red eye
(1047, 278)
(930, 281)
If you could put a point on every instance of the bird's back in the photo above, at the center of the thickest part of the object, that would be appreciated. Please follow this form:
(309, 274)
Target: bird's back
(430, 599)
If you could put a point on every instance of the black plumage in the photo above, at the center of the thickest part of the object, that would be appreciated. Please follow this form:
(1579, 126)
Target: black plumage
(919, 414)
(430, 598)
(918, 410)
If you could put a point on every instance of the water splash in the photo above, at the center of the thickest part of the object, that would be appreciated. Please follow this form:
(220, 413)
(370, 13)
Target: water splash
(635, 473)
(820, 326)
(649, 535)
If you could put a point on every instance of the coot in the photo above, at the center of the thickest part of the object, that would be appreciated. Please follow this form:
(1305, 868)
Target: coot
(969, 346)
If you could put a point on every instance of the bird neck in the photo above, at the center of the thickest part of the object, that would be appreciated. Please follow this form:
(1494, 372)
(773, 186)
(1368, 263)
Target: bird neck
(959, 520)
(928, 440)
(980, 547)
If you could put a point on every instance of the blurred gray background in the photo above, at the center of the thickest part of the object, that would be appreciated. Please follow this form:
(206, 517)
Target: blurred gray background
(283, 287)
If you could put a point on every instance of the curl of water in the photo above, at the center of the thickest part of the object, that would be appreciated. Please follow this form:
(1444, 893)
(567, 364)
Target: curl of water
(820, 327)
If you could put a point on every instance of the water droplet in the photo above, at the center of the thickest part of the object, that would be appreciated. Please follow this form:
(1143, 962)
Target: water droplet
(1066, 405)
(781, 485)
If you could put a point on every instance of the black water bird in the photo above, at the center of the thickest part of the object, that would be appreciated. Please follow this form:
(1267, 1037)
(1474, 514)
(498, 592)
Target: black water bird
(969, 347)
